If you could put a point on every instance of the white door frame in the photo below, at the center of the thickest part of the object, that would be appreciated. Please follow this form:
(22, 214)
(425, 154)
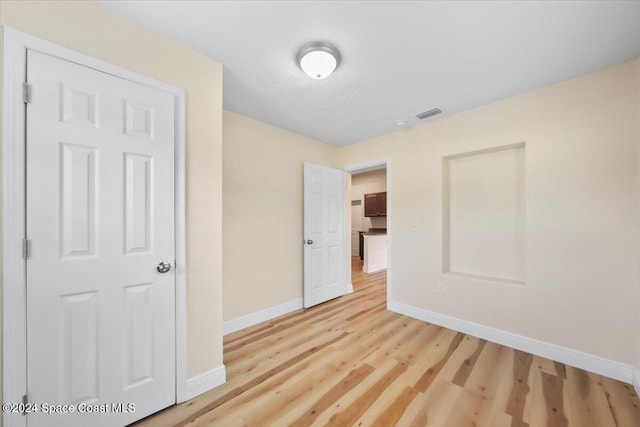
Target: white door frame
(14, 344)
(382, 163)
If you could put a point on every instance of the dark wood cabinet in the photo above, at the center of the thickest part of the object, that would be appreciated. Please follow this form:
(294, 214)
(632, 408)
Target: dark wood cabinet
(375, 204)
(382, 204)
(371, 204)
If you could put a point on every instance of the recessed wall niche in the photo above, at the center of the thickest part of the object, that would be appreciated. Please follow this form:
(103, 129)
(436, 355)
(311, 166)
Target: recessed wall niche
(484, 214)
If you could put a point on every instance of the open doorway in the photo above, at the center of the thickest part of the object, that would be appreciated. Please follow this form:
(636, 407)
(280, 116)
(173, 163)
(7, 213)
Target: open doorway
(369, 216)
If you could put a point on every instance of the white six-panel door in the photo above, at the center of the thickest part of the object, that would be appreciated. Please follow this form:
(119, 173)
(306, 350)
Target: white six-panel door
(324, 228)
(100, 218)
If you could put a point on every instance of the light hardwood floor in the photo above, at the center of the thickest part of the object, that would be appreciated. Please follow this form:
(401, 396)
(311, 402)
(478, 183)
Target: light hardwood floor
(351, 362)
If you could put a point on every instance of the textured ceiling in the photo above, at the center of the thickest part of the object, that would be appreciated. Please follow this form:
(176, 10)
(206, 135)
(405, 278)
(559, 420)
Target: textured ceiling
(398, 58)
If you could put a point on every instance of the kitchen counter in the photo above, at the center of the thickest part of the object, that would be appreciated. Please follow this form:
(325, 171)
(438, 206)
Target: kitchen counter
(375, 252)
(367, 233)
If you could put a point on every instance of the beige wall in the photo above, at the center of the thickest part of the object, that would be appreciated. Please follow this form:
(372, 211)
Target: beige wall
(582, 212)
(484, 214)
(369, 182)
(89, 29)
(262, 202)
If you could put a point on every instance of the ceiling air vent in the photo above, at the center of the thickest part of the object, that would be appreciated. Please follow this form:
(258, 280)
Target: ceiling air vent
(430, 113)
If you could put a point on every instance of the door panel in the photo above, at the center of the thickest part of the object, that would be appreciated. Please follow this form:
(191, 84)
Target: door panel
(370, 205)
(138, 348)
(138, 202)
(78, 200)
(79, 344)
(100, 216)
(382, 204)
(324, 227)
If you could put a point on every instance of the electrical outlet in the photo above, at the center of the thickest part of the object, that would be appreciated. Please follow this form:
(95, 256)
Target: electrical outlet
(442, 290)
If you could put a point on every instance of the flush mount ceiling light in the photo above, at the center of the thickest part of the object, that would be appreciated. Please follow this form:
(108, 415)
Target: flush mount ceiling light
(318, 59)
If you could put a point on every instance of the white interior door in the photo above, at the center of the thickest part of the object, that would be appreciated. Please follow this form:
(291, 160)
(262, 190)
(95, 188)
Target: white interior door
(100, 218)
(324, 228)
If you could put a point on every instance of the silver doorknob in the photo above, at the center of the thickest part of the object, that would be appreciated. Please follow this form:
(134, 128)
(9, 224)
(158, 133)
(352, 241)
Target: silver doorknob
(163, 267)
(309, 242)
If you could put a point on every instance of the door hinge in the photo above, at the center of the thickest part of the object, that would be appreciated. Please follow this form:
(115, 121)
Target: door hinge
(26, 248)
(25, 402)
(26, 92)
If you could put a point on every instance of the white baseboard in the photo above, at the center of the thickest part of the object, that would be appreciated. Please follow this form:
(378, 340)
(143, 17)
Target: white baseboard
(238, 323)
(636, 380)
(205, 381)
(373, 268)
(349, 288)
(578, 359)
